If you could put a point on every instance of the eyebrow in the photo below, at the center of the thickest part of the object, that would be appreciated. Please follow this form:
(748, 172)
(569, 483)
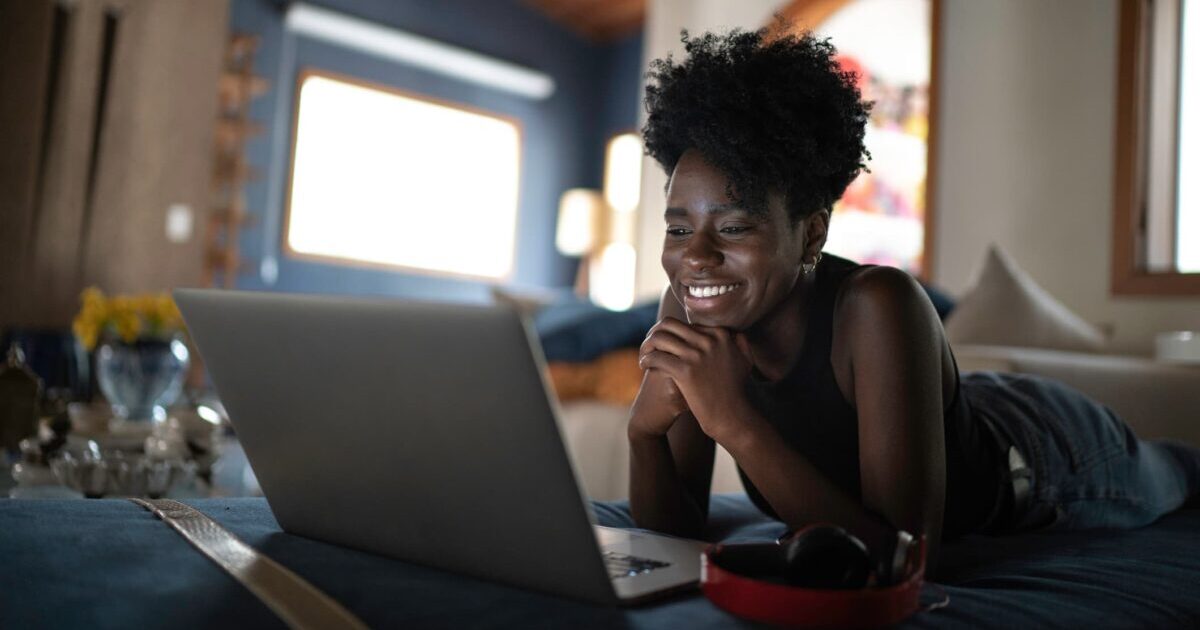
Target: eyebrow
(719, 208)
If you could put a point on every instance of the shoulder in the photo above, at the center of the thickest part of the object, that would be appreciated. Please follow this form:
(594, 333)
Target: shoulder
(882, 311)
(874, 292)
(884, 326)
(889, 341)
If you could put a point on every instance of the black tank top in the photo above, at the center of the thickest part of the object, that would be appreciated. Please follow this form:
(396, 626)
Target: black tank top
(808, 410)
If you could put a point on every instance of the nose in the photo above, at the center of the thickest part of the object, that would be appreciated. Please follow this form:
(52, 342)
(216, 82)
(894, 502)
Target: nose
(701, 253)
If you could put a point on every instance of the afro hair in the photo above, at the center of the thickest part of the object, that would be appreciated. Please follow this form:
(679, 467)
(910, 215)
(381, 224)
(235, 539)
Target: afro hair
(775, 115)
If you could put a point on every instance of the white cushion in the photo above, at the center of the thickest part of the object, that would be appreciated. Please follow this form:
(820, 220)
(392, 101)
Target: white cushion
(1007, 308)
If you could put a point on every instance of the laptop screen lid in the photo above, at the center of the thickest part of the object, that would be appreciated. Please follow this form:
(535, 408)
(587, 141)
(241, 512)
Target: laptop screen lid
(416, 430)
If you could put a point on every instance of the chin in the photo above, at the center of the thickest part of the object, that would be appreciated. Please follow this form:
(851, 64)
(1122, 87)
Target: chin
(715, 320)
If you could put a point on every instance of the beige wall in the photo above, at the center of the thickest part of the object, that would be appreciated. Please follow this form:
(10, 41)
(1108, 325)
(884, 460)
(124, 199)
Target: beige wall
(1025, 156)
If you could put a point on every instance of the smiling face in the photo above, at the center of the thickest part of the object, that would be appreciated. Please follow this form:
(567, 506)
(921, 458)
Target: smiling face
(727, 266)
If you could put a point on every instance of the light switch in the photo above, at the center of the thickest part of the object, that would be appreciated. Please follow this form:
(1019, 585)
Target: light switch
(179, 223)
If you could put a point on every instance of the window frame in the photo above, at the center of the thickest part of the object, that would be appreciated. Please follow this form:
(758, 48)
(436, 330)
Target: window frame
(342, 261)
(1129, 275)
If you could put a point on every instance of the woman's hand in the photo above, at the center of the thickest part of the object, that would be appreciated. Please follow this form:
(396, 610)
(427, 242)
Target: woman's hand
(670, 458)
(711, 368)
(657, 405)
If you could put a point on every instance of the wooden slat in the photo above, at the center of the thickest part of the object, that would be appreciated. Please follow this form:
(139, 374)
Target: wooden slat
(804, 15)
(623, 17)
(232, 132)
(233, 171)
(1128, 274)
(596, 20)
(241, 45)
(235, 89)
(224, 216)
(238, 86)
(932, 138)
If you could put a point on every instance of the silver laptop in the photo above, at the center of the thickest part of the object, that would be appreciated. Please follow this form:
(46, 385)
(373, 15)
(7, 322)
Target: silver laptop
(419, 431)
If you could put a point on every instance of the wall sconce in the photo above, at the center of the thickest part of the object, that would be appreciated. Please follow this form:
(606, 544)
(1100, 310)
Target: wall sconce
(582, 223)
(580, 214)
(599, 227)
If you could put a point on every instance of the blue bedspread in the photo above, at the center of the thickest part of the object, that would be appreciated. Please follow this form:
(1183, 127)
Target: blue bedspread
(110, 564)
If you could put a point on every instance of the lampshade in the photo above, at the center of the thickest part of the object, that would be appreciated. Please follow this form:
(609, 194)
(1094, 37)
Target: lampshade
(610, 283)
(581, 217)
(623, 172)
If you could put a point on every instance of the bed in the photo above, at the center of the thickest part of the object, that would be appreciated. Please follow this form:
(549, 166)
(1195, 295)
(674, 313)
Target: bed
(1118, 579)
(110, 564)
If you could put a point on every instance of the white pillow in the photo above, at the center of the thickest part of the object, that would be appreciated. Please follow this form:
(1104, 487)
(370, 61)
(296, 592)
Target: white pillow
(1007, 308)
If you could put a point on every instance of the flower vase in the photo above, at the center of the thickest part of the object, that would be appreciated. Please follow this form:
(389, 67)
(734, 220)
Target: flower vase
(141, 378)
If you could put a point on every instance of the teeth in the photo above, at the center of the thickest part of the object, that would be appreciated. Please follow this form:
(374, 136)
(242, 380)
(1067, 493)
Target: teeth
(711, 291)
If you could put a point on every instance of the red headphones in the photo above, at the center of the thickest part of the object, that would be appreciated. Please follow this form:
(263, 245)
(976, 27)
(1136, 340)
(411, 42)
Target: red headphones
(820, 576)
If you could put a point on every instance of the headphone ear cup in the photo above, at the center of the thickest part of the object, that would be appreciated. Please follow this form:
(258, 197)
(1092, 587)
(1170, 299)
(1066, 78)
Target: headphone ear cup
(761, 561)
(826, 556)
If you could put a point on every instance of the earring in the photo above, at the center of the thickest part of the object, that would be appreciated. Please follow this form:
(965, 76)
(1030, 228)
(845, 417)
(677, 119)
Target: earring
(808, 267)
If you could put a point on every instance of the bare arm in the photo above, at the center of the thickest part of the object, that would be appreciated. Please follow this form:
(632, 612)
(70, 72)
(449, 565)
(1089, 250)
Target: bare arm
(799, 493)
(897, 343)
(670, 473)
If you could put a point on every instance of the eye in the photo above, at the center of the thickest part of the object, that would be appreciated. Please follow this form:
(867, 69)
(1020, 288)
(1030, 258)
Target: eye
(676, 230)
(736, 229)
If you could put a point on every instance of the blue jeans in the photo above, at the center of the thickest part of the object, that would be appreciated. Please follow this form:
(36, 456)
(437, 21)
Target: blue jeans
(1088, 468)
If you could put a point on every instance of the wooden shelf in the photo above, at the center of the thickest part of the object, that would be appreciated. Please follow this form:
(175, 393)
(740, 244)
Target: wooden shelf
(240, 46)
(223, 216)
(232, 131)
(236, 88)
(234, 171)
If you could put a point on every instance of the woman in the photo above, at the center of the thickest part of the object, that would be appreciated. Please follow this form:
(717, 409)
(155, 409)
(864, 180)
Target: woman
(830, 383)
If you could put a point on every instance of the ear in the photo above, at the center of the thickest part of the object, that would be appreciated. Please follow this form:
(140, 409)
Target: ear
(816, 229)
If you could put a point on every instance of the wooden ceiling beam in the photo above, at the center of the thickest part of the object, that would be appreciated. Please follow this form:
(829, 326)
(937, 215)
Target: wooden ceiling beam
(597, 20)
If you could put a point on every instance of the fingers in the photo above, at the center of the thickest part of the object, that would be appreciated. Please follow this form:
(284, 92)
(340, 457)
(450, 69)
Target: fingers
(691, 342)
(667, 341)
(670, 364)
(715, 332)
(743, 344)
(668, 385)
(689, 333)
(701, 336)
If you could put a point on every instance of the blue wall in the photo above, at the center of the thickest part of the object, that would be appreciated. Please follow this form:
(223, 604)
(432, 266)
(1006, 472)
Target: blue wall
(563, 136)
(622, 86)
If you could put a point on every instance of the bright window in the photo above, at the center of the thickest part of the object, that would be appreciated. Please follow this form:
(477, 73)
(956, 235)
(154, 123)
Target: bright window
(382, 178)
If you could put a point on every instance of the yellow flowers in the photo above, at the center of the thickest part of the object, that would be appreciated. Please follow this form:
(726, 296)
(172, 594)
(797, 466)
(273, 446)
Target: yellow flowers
(126, 316)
